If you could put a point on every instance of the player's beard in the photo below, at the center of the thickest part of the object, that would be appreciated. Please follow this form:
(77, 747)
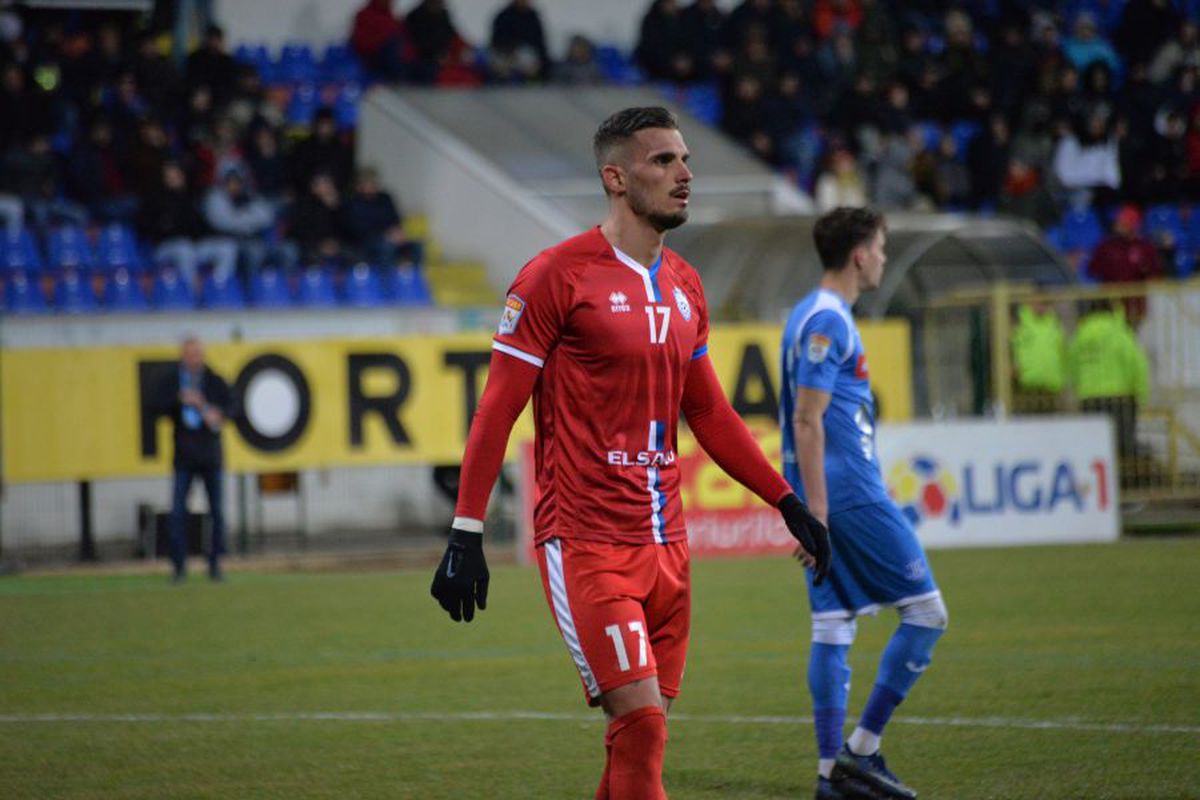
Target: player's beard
(659, 220)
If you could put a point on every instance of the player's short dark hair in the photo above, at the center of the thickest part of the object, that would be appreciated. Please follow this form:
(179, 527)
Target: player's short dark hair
(621, 126)
(838, 232)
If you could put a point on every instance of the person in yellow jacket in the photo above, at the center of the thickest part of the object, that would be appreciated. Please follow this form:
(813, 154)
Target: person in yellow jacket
(1108, 370)
(1039, 358)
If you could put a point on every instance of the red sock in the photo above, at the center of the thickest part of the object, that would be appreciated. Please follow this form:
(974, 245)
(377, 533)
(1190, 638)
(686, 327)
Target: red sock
(602, 792)
(636, 741)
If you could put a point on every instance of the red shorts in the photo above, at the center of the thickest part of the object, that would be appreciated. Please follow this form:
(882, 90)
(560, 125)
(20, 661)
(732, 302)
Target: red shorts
(624, 611)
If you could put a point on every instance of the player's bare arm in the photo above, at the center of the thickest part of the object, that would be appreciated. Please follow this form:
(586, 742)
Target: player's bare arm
(810, 448)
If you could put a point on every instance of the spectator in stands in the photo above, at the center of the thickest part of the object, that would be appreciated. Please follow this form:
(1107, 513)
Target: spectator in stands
(1087, 164)
(1085, 46)
(24, 110)
(962, 67)
(838, 59)
(217, 155)
(987, 161)
(518, 46)
(1039, 358)
(744, 113)
(1011, 62)
(1126, 256)
(155, 73)
(315, 223)
(97, 174)
(441, 53)
(579, 68)
(1146, 25)
(210, 65)
(232, 209)
(380, 39)
(171, 222)
(1109, 372)
(147, 156)
(749, 15)
(918, 71)
(198, 402)
(1024, 193)
(323, 151)
(836, 16)
(952, 182)
(374, 226)
(249, 103)
(31, 173)
(876, 41)
(267, 164)
(704, 22)
(1178, 53)
(857, 110)
(892, 188)
(792, 116)
(664, 50)
(842, 184)
(1162, 169)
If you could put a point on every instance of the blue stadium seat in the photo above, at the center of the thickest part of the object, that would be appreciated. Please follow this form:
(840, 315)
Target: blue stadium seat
(222, 293)
(117, 248)
(123, 293)
(303, 105)
(362, 288)
(73, 293)
(19, 252)
(931, 135)
(963, 132)
(22, 295)
(1164, 219)
(1192, 228)
(316, 288)
(171, 292)
(345, 107)
(68, 248)
(253, 54)
(341, 65)
(296, 64)
(406, 286)
(703, 101)
(1081, 229)
(269, 289)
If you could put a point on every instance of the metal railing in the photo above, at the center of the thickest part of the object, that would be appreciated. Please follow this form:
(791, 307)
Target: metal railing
(965, 366)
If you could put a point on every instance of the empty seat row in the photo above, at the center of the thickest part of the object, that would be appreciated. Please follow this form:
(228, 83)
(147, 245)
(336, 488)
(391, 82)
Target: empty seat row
(361, 287)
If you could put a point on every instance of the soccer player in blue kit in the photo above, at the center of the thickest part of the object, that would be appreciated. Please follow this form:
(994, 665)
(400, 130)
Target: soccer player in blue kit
(827, 415)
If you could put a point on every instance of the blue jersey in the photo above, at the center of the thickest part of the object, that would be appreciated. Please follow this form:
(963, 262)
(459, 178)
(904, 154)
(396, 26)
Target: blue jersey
(822, 350)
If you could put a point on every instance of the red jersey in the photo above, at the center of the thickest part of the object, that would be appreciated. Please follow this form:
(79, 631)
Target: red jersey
(614, 341)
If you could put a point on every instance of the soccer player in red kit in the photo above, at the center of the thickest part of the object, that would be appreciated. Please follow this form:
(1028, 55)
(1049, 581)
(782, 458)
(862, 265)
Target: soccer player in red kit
(609, 333)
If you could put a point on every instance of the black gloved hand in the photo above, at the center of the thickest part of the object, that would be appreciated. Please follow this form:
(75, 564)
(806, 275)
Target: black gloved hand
(809, 532)
(461, 580)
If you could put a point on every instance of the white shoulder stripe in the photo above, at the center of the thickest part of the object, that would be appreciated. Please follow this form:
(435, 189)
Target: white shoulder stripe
(827, 301)
(521, 354)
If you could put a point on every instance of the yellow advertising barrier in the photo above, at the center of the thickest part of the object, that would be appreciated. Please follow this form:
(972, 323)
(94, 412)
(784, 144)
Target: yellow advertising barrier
(89, 413)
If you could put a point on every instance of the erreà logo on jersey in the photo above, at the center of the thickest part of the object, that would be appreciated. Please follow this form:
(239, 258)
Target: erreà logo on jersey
(514, 307)
(619, 302)
(641, 458)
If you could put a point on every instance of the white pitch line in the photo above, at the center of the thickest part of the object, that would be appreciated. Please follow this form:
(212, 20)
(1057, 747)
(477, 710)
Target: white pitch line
(508, 716)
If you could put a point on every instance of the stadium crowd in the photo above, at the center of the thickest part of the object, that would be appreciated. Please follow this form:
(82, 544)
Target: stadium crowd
(131, 179)
(228, 176)
(1058, 112)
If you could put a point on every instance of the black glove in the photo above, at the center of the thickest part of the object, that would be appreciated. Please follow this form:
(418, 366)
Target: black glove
(461, 580)
(809, 532)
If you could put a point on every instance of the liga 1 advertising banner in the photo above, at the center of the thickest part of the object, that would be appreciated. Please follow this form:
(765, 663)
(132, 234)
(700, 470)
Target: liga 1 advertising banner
(962, 484)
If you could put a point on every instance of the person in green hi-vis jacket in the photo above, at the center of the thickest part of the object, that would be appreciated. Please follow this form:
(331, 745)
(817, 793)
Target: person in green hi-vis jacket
(1108, 370)
(1039, 358)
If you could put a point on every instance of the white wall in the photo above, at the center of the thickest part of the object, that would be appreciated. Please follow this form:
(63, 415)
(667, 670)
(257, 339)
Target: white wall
(324, 21)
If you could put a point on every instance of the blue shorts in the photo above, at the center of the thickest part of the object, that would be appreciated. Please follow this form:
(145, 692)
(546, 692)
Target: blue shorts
(877, 561)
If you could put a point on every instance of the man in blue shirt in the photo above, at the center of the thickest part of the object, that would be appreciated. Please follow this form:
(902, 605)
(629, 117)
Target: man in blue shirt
(827, 414)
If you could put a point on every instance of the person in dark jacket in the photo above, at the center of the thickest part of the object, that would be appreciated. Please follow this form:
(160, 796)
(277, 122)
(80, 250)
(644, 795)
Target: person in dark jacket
(171, 221)
(198, 401)
(374, 226)
(519, 43)
(315, 222)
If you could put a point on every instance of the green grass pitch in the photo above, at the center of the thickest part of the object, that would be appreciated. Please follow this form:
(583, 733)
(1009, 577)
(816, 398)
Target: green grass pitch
(1067, 672)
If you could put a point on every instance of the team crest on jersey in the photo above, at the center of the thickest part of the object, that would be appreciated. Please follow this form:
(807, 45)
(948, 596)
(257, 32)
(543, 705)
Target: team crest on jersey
(818, 348)
(681, 302)
(514, 307)
(620, 302)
